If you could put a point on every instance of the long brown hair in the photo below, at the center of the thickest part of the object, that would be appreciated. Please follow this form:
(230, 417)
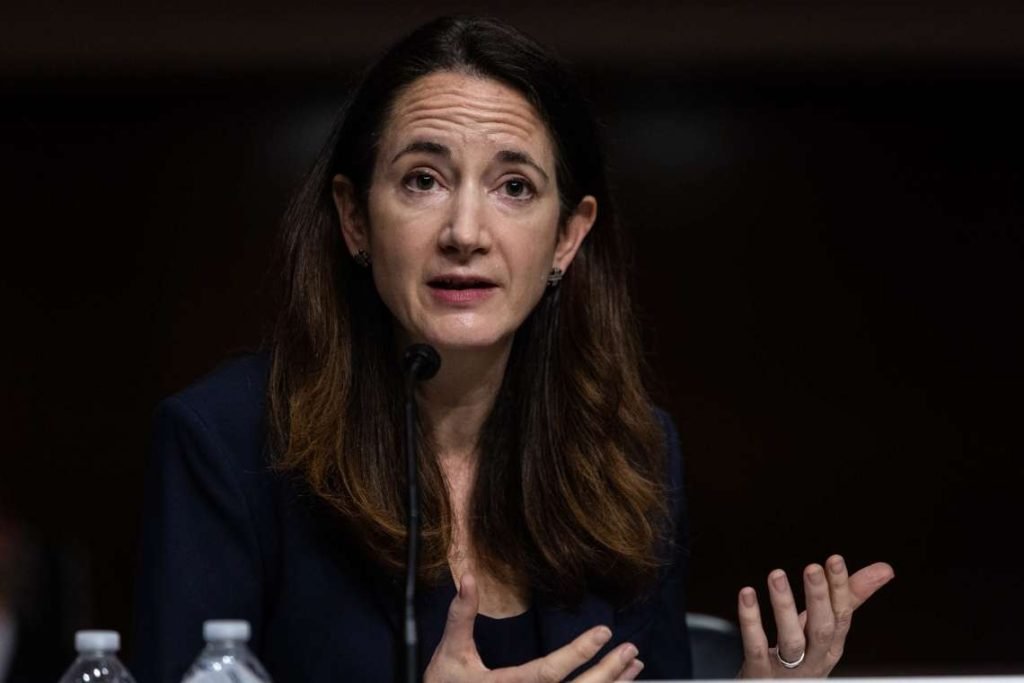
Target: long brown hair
(569, 492)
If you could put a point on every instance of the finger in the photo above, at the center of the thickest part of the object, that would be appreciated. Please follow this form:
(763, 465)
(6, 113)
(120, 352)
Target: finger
(632, 671)
(842, 602)
(866, 581)
(755, 644)
(792, 641)
(863, 584)
(562, 662)
(614, 666)
(458, 630)
(821, 624)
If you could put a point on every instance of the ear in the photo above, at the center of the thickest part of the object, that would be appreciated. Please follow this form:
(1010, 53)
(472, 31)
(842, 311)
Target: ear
(571, 235)
(350, 216)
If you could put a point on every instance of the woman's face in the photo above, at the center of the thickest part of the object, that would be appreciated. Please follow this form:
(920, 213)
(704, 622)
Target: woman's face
(462, 216)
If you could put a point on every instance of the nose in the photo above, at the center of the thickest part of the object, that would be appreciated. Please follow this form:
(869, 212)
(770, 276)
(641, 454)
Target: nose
(466, 231)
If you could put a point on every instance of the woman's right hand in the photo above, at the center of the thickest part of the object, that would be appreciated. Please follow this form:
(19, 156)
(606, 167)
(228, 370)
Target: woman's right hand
(456, 658)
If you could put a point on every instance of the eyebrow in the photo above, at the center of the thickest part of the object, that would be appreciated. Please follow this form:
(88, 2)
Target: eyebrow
(508, 156)
(512, 156)
(426, 147)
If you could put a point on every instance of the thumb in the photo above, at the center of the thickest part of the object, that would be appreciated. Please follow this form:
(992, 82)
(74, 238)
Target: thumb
(456, 657)
(458, 630)
(866, 581)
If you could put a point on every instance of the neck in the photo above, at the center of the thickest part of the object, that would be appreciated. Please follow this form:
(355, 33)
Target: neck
(457, 401)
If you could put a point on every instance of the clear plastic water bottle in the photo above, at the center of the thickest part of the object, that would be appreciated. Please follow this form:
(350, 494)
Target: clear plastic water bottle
(97, 659)
(226, 658)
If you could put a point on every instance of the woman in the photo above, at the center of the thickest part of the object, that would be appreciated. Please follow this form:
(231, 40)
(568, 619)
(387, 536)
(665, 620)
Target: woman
(461, 202)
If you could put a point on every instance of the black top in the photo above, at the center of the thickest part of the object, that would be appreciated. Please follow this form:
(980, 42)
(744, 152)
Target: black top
(507, 642)
(501, 642)
(225, 536)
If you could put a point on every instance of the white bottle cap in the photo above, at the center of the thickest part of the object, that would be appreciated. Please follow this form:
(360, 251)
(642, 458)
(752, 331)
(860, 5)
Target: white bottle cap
(224, 629)
(97, 641)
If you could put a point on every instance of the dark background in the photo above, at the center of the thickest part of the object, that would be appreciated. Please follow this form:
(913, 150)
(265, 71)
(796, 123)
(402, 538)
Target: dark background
(827, 206)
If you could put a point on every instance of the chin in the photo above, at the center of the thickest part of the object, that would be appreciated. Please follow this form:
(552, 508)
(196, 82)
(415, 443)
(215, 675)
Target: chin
(467, 340)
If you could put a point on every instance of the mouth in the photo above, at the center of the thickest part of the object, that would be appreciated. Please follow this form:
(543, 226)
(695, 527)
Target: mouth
(459, 282)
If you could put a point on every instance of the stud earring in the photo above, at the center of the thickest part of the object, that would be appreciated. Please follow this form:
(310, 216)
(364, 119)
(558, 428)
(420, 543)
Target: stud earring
(362, 259)
(554, 277)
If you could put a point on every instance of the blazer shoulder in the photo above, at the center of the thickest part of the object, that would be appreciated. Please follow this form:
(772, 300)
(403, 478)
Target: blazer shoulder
(228, 405)
(237, 384)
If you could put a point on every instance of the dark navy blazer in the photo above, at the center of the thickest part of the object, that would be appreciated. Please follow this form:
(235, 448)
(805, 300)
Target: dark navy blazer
(227, 537)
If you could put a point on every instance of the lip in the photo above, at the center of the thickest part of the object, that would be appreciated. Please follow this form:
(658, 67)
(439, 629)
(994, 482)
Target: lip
(462, 297)
(475, 288)
(462, 279)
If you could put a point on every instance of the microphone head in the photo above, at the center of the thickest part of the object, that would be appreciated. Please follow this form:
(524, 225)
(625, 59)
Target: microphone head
(421, 359)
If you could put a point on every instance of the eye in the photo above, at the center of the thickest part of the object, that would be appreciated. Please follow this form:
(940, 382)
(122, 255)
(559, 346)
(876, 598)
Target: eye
(518, 188)
(420, 182)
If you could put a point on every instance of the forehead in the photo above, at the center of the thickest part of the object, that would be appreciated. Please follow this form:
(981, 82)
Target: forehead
(461, 109)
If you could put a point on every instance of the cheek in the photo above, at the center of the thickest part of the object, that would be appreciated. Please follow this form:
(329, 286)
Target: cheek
(535, 248)
(400, 248)
(396, 271)
(531, 265)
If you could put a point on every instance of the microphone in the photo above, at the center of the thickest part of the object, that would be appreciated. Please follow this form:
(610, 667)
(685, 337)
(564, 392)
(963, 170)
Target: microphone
(419, 362)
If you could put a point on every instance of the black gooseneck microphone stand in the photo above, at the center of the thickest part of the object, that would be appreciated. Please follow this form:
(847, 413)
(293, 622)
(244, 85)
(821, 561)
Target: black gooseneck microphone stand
(419, 362)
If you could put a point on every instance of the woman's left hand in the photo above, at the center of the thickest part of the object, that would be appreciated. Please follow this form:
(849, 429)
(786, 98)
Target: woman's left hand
(810, 642)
